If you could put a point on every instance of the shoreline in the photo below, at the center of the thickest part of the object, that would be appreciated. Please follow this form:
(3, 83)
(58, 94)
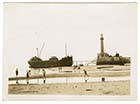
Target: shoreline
(68, 74)
(81, 88)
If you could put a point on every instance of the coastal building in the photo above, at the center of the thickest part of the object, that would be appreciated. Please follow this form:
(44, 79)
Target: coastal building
(104, 58)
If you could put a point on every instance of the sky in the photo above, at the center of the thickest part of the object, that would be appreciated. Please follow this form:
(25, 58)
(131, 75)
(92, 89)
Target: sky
(28, 25)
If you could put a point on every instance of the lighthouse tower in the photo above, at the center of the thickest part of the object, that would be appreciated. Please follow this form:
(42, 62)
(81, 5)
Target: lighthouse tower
(102, 45)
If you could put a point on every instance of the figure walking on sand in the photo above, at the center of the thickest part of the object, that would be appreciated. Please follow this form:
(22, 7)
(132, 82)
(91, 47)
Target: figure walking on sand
(17, 75)
(44, 76)
(103, 79)
(85, 75)
(27, 75)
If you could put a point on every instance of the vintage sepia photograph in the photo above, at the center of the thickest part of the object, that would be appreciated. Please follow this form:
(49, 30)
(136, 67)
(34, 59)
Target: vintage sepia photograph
(75, 50)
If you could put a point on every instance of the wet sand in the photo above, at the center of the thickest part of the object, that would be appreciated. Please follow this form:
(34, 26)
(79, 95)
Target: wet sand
(81, 88)
(112, 86)
(74, 74)
(93, 71)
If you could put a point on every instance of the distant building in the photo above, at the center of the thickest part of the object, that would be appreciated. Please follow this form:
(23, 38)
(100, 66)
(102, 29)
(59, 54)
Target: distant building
(106, 59)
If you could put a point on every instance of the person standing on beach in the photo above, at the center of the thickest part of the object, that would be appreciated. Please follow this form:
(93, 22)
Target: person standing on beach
(27, 75)
(103, 79)
(86, 75)
(17, 75)
(44, 76)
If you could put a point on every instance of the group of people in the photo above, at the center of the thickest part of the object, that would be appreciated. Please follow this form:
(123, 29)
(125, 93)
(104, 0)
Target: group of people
(86, 76)
(28, 75)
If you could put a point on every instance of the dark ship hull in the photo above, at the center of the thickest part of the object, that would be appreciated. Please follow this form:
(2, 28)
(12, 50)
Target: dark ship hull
(36, 62)
(110, 63)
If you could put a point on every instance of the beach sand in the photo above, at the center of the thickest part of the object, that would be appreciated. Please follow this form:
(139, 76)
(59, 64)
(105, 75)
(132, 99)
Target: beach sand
(81, 88)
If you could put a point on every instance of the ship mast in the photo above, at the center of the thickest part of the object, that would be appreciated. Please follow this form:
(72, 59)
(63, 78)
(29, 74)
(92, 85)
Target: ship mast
(66, 49)
(41, 49)
(37, 49)
(37, 52)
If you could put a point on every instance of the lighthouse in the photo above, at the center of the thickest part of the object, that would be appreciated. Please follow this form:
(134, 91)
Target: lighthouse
(102, 45)
(103, 58)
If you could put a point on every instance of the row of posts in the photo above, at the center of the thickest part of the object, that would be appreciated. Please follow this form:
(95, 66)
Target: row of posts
(28, 75)
(44, 76)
